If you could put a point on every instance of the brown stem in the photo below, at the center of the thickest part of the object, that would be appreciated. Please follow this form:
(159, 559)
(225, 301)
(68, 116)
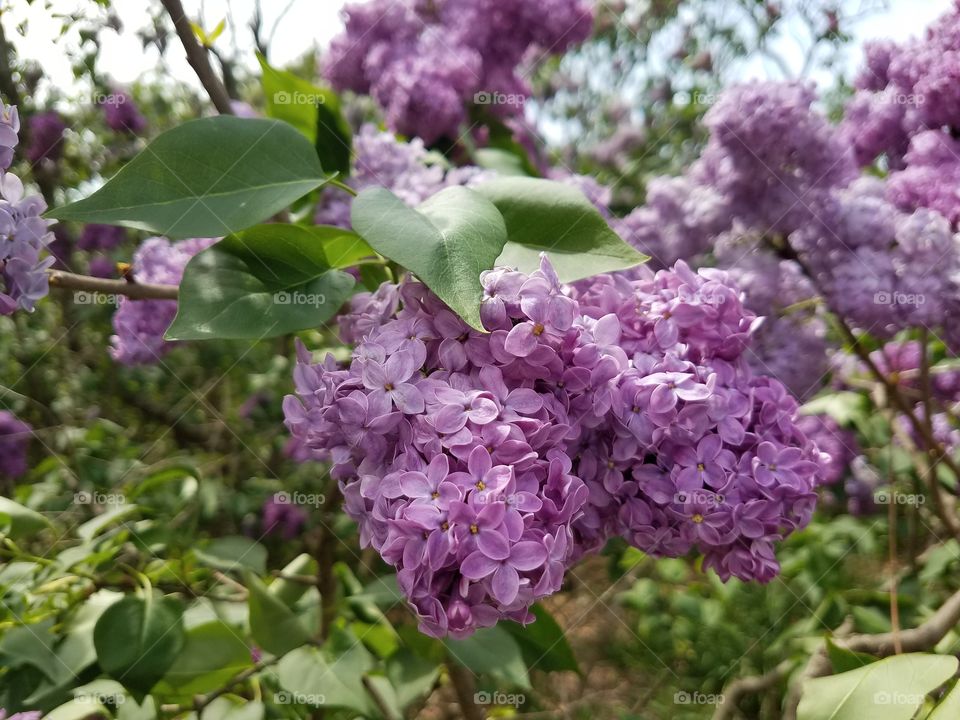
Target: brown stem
(738, 689)
(105, 286)
(466, 690)
(198, 58)
(326, 557)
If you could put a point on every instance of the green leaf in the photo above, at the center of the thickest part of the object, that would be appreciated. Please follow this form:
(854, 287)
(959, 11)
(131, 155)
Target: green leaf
(889, 689)
(138, 640)
(206, 178)
(266, 281)
(949, 707)
(18, 521)
(289, 591)
(543, 643)
(232, 708)
(844, 407)
(233, 553)
(502, 161)
(551, 217)
(93, 527)
(313, 111)
(494, 651)
(329, 677)
(273, 625)
(446, 242)
(844, 660)
(77, 709)
(212, 653)
(412, 676)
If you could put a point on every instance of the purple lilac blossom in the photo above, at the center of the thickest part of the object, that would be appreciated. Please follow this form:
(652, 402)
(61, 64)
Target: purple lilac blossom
(101, 237)
(46, 137)
(14, 438)
(122, 114)
(426, 63)
(282, 517)
(139, 325)
(483, 465)
(24, 233)
(29, 715)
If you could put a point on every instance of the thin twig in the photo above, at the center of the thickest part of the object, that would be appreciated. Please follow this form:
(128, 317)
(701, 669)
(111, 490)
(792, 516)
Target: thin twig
(106, 286)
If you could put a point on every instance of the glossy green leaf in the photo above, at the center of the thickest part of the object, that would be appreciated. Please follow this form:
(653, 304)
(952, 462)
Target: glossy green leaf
(77, 709)
(551, 217)
(233, 553)
(493, 651)
(844, 660)
(949, 707)
(543, 643)
(446, 242)
(266, 281)
(312, 110)
(138, 640)
(889, 689)
(18, 521)
(206, 178)
(273, 625)
(213, 652)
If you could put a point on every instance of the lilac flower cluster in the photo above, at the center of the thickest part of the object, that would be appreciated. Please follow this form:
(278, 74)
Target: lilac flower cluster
(425, 63)
(403, 167)
(280, 516)
(482, 465)
(101, 237)
(14, 438)
(140, 324)
(23, 232)
(122, 114)
(907, 110)
(46, 137)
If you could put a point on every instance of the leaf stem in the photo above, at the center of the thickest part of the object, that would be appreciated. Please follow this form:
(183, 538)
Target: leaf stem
(132, 290)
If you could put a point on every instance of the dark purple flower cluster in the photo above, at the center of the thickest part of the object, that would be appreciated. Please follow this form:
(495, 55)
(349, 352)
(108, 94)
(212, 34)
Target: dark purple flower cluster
(482, 465)
(46, 137)
(101, 237)
(282, 517)
(14, 437)
(907, 110)
(122, 114)
(24, 234)
(425, 63)
(140, 324)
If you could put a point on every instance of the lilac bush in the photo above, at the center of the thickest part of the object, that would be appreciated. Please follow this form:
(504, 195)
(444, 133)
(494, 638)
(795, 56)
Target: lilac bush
(483, 465)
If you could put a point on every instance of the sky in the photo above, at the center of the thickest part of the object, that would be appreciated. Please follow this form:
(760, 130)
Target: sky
(301, 24)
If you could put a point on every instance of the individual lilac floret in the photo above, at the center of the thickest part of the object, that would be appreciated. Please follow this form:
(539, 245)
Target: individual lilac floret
(14, 438)
(24, 234)
(122, 114)
(29, 715)
(46, 137)
(139, 325)
(482, 465)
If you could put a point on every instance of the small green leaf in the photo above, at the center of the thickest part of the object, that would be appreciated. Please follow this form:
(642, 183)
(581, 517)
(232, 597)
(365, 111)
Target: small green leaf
(949, 707)
(266, 281)
(312, 110)
(502, 161)
(18, 521)
(206, 178)
(551, 217)
(843, 660)
(233, 553)
(889, 689)
(273, 625)
(138, 640)
(493, 651)
(446, 242)
(213, 652)
(543, 643)
(78, 709)
(93, 527)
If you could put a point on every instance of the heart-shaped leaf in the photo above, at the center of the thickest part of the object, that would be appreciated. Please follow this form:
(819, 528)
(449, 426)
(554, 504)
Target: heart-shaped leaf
(138, 639)
(273, 625)
(206, 178)
(551, 217)
(266, 281)
(446, 242)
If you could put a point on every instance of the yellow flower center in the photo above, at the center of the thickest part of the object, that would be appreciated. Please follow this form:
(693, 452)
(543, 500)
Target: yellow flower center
(538, 329)
(474, 529)
(698, 518)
